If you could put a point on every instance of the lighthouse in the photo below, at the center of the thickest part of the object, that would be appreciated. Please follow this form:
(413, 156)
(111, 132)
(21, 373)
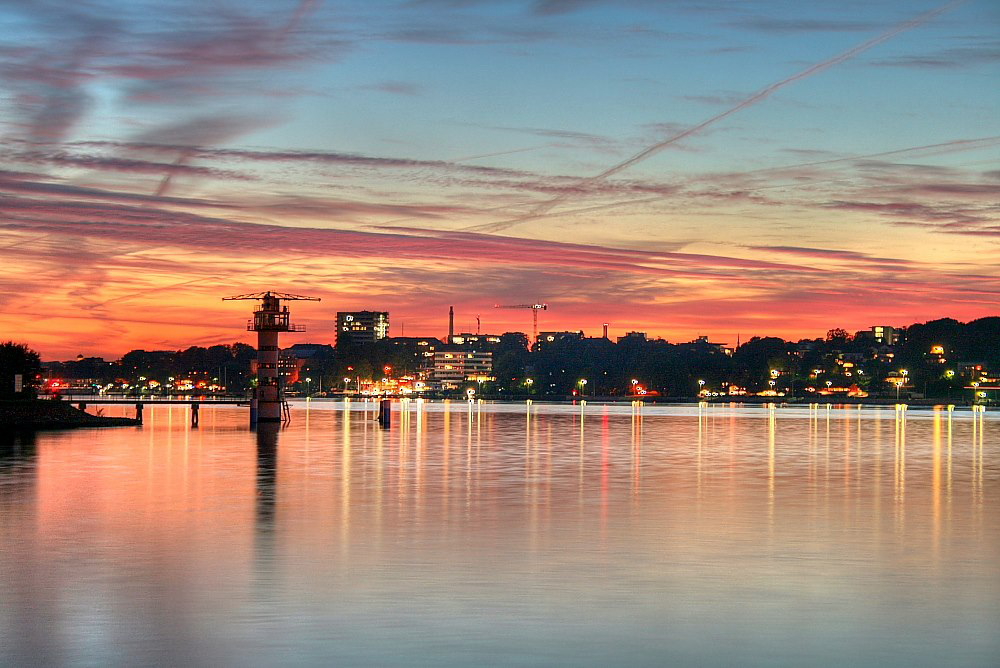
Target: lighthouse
(269, 319)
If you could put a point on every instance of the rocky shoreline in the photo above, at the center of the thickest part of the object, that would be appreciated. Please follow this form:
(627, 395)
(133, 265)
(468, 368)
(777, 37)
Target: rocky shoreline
(50, 414)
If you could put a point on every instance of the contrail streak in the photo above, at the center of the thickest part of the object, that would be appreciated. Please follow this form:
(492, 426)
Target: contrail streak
(182, 159)
(932, 149)
(490, 155)
(762, 94)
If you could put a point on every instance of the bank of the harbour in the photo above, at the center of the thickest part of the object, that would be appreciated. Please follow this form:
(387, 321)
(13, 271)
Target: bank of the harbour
(801, 401)
(804, 401)
(50, 414)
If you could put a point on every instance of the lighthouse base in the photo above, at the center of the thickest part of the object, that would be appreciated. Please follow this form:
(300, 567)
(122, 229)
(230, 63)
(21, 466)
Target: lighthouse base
(266, 405)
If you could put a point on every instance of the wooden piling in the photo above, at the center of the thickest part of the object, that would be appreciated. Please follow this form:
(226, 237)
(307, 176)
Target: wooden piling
(385, 413)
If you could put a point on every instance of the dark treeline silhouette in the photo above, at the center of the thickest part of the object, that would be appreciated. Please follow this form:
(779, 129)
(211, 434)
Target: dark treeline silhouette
(838, 361)
(936, 359)
(230, 364)
(18, 360)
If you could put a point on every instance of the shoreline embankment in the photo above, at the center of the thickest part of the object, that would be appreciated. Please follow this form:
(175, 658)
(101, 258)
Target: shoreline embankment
(53, 414)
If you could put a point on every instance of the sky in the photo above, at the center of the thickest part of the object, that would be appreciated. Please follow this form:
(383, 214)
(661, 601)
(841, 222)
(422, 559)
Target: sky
(682, 168)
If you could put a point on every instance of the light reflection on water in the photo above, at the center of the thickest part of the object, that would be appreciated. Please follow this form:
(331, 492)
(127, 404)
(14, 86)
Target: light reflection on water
(505, 533)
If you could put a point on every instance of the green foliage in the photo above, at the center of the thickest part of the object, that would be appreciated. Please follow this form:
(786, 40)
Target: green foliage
(230, 364)
(18, 359)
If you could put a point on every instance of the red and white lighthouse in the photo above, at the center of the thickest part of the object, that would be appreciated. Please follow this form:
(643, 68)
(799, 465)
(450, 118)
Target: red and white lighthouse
(269, 319)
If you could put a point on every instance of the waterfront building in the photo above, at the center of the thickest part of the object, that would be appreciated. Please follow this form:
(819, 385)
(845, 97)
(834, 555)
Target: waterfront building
(292, 360)
(421, 348)
(475, 340)
(361, 327)
(453, 367)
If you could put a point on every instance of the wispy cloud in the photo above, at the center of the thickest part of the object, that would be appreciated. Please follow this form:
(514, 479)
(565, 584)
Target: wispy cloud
(395, 88)
(977, 52)
(911, 211)
(318, 157)
(552, 7)
(151, 150)
(197, 66)
(49, 72)
(541, 209)
(773, 25)
(832, 254)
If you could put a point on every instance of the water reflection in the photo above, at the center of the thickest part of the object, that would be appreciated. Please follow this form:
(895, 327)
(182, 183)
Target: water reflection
(584, 534)
(267, 474)
(17, 448)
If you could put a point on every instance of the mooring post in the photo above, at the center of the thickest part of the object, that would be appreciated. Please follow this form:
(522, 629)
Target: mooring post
(138, 412)
(82, 406)
(194, 414)
(385, 413)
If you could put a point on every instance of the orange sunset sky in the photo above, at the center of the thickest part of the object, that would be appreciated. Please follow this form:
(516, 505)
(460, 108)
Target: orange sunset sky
(737, 169)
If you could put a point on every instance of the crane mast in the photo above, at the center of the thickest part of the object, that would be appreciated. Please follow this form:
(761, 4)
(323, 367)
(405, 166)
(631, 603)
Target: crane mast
(535, 308)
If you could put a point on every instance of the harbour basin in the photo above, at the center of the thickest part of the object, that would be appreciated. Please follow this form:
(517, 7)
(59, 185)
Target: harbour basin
(506, 534)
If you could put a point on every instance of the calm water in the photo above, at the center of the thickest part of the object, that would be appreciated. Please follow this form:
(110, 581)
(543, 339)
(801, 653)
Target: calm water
(485, 534)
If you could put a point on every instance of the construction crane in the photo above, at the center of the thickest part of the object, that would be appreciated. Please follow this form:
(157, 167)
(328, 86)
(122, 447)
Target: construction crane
(270, 293)
(268, 402)
(535, 308)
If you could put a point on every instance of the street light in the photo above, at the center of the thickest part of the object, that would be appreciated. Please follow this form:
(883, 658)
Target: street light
(583, 386)
(899, 383)
(975, 387)
(701, 386)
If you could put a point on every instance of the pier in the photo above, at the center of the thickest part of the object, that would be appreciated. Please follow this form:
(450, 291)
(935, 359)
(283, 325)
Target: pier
(83, 401)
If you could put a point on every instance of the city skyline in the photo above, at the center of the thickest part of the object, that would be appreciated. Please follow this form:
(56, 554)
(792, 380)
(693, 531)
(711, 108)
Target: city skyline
(758, 168)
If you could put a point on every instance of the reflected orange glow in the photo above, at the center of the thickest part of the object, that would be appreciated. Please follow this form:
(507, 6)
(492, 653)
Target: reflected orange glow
(355, 493)
(936, 479)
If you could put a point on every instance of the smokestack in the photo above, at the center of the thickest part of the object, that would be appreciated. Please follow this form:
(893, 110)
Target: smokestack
(451, 324)
(605, 330)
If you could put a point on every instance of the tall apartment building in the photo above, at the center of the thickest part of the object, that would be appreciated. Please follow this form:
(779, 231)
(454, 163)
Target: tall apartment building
(359, 327)
(881, 334)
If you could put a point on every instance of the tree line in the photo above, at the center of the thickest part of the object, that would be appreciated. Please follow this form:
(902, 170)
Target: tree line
(938, 357)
